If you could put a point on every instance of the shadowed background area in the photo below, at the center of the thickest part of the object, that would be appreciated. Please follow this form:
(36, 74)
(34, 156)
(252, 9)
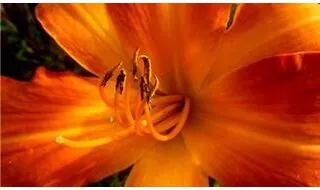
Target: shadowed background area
(26, 46)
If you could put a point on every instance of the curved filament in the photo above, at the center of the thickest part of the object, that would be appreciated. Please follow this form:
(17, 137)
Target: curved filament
(94, 142)
(175, 131)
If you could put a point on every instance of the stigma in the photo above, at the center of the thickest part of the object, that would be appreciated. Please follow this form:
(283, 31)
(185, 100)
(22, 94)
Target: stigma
(152, 112)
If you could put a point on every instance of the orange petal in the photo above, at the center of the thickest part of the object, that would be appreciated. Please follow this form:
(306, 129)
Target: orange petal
(236, 156)
(261, 124)
(167, 164)
(85, 32)
(173, 35)
(202, 25)
(283, 89)
(265, 30)
(35, 113)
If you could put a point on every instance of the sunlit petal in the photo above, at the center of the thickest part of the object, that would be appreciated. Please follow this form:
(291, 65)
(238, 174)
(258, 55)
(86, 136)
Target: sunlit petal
(167, 164)
(85, 32)
(35, 113)
(266, 30)
(262, 124)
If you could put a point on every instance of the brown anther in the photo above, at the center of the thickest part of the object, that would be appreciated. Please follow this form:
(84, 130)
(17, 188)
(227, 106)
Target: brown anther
(109, 74)
(143, 84)
(165, 116)
(147, 67)
(120, 81)
(135, 64)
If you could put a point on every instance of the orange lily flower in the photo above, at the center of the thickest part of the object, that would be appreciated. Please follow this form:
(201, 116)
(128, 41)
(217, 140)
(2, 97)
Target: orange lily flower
(241, 105)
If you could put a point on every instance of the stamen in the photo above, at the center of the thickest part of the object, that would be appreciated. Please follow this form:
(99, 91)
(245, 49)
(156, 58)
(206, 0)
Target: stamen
(166, 100)
(175, 131)
(138, 113)
(146, 95)
(121, 81)
(166, 124)
(140, 104)
(170, 122)
(116, 110)
(109, 74)
(83, 143)
(141, 124)
(154, 89)
(95, 142)
(165, 112)
(103, 83)
(127, 103)
(120, 86)
(138, 110)
(104, 97)
(147, 67)
(110, 119)
(143, 89)
(135, 64)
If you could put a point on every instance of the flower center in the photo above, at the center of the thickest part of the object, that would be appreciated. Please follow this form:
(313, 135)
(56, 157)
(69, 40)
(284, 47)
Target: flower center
(139, 106)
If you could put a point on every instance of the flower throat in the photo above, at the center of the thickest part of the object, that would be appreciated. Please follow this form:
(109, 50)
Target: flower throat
(152, 113)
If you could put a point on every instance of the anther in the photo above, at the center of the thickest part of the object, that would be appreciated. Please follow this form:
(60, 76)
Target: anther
(120, 86)
(135, 64)
(110, 119)
(147, 67)
(143, 86)
(109, 74)
(104, 81)
(120, 81)
(144, 120)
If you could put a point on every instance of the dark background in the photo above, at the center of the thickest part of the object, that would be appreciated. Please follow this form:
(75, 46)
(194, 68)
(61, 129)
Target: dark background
(26, 46)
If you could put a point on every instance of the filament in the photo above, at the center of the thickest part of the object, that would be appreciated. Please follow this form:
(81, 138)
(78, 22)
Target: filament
(116, 110)
(137, 115)
(127, 105)
(104, 82)
(95, 142)
(165, 112)
(83, 143)
(105, 98)
(141, 125)
(175, 131)
(167, 99)
(149, 115)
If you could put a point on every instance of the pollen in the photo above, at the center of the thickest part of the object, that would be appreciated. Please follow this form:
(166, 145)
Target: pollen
(144, 123)
(139, 106)
(110, 119)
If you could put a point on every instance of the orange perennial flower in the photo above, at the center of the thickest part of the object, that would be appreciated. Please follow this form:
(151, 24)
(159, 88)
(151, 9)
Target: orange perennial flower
(178, 95)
